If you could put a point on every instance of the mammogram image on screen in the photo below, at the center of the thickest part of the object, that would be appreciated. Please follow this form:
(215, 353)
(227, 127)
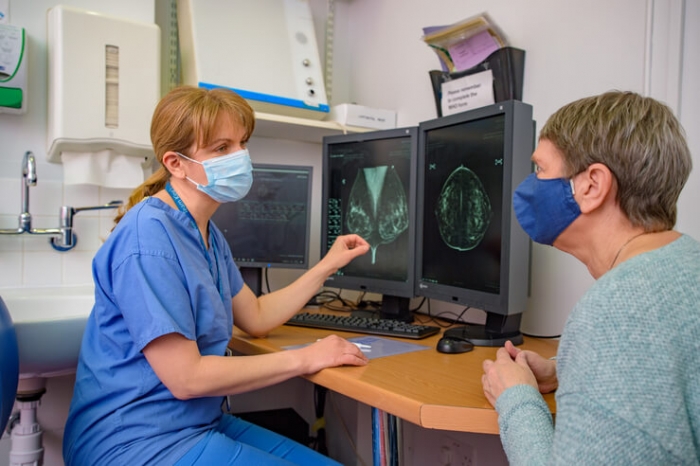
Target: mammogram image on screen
(377, 208)
(463, 200)
(369, 195)
(463, 211)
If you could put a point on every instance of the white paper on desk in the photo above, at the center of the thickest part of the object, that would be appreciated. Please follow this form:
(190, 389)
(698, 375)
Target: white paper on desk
(379, 347)
(384, 347)
(466, 93)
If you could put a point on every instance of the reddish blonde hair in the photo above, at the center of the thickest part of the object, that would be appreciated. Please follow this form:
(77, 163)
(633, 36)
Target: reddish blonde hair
(185, 116)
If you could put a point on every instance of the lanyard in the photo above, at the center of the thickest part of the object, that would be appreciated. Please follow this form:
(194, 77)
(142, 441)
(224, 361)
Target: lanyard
(183, 208)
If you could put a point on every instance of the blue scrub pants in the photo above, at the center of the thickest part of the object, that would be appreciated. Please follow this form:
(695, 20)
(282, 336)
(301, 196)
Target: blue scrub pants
(238, 442)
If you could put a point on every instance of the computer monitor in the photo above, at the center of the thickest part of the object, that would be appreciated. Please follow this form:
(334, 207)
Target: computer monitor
(269, 228)
(369, 189)
(470, 249)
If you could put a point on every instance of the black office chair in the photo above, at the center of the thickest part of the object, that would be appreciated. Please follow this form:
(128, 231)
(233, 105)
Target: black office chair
(9, 365)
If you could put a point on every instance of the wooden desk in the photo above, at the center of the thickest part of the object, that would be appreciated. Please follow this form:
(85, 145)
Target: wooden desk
(427, 388)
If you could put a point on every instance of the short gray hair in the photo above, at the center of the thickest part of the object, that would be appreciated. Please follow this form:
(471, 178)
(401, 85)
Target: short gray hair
(639, 140)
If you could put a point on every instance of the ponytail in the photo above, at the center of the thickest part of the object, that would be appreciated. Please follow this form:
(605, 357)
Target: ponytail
(152, 185)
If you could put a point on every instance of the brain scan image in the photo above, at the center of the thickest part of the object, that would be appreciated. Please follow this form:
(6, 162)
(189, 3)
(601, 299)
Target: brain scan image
(463, 210)
(377, 208)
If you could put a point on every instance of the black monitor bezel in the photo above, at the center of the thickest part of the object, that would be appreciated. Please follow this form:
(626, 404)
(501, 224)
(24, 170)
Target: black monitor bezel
(309, 170)
(515, 245)
(373, 285)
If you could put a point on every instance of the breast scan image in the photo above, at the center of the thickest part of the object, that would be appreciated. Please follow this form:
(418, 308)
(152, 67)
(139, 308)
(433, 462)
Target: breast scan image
(377, 208)
(463, 210)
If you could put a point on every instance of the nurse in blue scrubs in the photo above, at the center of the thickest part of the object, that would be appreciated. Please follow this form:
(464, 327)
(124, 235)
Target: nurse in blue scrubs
(152, 372)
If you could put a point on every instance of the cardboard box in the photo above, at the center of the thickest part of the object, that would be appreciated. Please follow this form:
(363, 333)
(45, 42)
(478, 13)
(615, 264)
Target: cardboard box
(366, 117)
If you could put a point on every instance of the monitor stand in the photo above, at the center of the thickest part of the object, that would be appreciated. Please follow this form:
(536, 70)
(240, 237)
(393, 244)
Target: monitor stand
(252, 276)
(497, 330)
(393, 308)
(396, 308)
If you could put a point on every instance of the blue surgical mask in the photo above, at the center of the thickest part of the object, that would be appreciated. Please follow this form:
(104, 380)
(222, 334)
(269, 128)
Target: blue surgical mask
(229, 177)
(545, 207)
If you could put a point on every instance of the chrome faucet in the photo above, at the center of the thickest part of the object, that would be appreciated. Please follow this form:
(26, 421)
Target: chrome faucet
(28, 180)
(25, 218)
(63, 237)
(67, 240)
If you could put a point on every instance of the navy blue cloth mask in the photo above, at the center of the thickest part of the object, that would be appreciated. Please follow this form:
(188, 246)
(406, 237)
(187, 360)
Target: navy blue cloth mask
(545, 207)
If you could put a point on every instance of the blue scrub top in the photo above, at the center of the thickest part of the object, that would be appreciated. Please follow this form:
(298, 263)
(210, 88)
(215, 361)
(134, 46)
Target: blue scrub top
(152, 278)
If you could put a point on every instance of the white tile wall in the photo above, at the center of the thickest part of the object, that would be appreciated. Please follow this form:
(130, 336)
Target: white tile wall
(10, 195)
(10, 268)
(29, 260)
(41, 268)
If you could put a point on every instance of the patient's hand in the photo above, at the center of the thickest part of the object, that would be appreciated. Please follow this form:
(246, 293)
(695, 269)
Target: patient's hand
(545, 370)
(505, 372)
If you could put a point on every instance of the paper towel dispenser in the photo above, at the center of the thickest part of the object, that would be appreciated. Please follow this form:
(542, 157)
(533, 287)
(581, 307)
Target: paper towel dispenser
(104, 83)
(265, 50)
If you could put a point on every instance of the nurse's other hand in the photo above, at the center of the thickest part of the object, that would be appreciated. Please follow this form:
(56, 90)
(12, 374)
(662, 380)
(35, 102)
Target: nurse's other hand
(505, 372)
(332, 351)
(344, 249)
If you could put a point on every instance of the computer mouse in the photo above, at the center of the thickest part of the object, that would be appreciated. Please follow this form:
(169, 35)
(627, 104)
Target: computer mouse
(454, 345)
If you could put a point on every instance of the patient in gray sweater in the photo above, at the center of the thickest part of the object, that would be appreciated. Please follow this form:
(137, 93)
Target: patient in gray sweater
(628, 366)
(629, 372)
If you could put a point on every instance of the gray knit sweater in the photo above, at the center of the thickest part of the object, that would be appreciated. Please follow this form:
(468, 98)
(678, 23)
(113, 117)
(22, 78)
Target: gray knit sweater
(628, 368)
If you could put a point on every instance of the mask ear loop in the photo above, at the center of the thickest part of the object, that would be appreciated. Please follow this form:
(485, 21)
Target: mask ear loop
(188, 158)
(187, 177)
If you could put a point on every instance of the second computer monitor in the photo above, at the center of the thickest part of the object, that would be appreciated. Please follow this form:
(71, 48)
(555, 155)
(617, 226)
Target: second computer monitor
(369, 189)
(269, 228)
(470, 248)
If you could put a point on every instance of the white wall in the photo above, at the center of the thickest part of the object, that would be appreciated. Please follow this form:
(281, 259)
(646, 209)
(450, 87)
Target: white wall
(689, 110)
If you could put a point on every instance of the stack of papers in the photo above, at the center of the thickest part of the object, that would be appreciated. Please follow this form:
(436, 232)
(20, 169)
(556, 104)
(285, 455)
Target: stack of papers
(464, 44)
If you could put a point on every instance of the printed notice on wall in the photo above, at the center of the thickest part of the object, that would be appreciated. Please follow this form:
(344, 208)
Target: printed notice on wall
(469, 92)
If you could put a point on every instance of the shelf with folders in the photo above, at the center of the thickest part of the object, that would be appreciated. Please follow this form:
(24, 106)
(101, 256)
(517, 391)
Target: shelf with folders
(269, 125)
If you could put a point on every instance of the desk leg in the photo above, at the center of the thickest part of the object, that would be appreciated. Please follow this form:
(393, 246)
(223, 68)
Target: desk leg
(385, 442)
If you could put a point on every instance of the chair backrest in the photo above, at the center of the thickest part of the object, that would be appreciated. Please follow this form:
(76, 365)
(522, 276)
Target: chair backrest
(9, 365)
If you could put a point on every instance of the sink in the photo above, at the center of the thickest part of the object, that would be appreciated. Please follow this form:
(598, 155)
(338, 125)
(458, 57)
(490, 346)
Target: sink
(49, 323)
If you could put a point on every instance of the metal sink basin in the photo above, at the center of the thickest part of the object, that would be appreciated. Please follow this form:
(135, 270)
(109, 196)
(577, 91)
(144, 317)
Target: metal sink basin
(49, 323)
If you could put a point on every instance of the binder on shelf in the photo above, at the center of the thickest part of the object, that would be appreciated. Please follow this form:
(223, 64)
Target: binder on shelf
(508, 67)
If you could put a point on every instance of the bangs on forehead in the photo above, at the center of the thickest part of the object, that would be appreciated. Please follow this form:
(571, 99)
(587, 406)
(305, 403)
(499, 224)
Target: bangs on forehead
(206, 124)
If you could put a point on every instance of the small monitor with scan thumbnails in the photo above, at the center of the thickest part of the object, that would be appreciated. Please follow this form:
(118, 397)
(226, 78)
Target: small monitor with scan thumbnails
(369, 189)
(470, 249)
(269, 228)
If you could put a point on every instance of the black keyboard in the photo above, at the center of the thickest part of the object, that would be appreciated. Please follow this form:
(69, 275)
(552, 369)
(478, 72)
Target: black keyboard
(385, 327)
